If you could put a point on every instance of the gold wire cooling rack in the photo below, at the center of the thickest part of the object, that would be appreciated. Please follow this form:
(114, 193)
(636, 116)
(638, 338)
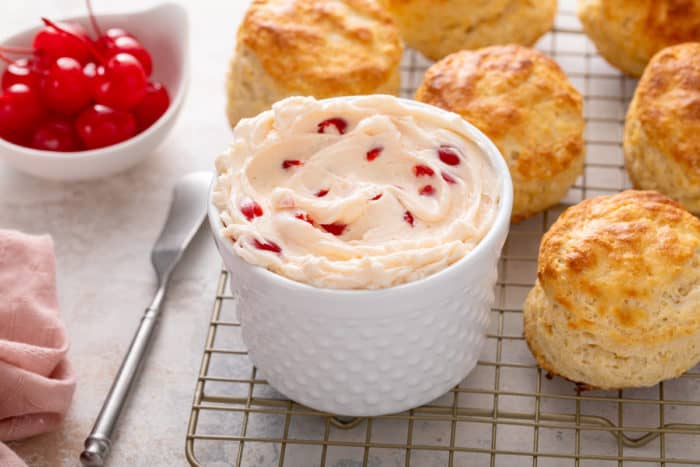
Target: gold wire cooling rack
(506, 412)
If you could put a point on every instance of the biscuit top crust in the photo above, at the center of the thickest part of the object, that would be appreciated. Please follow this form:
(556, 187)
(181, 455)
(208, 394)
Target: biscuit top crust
(450, 14)
(323, 47)
(667, 21)
(520, 98)
(651, 24)
(625, 266)
(667, 104)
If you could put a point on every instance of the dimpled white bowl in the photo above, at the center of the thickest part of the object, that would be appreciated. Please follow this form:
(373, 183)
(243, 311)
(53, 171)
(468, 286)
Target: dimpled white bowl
(372, 352)
(163, 30)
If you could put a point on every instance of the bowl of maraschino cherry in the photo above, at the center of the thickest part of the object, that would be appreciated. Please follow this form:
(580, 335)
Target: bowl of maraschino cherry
(78, 105)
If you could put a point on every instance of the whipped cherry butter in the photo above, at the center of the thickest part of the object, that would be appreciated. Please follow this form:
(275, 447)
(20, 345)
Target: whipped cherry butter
(353, 193)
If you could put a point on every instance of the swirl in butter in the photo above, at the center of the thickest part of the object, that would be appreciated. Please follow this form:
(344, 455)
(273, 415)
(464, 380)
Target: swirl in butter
(353, 193)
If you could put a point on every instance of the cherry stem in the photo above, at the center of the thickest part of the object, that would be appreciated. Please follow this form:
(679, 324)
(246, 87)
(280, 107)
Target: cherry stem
(6, 59)
(93, 19)
(16, 50)
(89, 44)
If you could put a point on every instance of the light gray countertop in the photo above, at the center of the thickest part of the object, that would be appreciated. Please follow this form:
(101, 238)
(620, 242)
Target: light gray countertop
(103, 231)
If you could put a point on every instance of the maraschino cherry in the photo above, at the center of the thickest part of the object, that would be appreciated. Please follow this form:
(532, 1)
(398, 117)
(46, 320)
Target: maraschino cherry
(56, 135)
(91, 70)
(128, 44)
(106, 39)
(99, 126)
(63, 40)
(65, 88)
(123, 84)
(111, 34)
(20, 71)
(152, 106)
(73, 93)
(20, 112)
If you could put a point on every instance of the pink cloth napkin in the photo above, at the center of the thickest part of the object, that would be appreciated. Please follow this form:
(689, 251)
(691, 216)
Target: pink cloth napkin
(36, 380)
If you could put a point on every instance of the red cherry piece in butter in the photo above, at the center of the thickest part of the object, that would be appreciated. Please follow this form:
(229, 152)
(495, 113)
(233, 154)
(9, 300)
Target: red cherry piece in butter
(421, 170)
(336, 228)
(288, 163)
(267, 246)
(376, 197)
(374, 153)
(321, 193)
(427, 190)
(251, 209)
(448, 155)
(448, 178)
(302, 216)
(339, 124)
(408, 217)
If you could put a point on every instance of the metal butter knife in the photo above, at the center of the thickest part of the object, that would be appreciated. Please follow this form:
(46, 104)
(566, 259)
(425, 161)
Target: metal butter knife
(187, 212)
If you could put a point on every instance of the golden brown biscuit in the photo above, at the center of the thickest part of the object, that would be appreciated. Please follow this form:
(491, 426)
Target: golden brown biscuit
(525, 103)
(616, 302)
(662, 129)
(314, 48)
(627, 33)
(438, 28)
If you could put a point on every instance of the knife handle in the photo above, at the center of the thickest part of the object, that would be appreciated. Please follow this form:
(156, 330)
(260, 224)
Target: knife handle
(98, 443)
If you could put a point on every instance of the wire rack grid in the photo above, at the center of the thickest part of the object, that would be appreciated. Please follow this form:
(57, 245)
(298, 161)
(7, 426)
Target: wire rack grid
(507, 411)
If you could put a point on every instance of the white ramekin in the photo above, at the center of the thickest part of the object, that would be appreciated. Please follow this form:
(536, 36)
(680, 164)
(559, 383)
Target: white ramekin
(372, 352)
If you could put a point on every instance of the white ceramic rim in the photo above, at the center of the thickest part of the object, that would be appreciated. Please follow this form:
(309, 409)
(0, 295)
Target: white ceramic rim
(457, 124)
(175, 102)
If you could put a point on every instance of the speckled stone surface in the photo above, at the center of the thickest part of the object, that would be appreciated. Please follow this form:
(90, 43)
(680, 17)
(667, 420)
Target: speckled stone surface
(104, 231)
